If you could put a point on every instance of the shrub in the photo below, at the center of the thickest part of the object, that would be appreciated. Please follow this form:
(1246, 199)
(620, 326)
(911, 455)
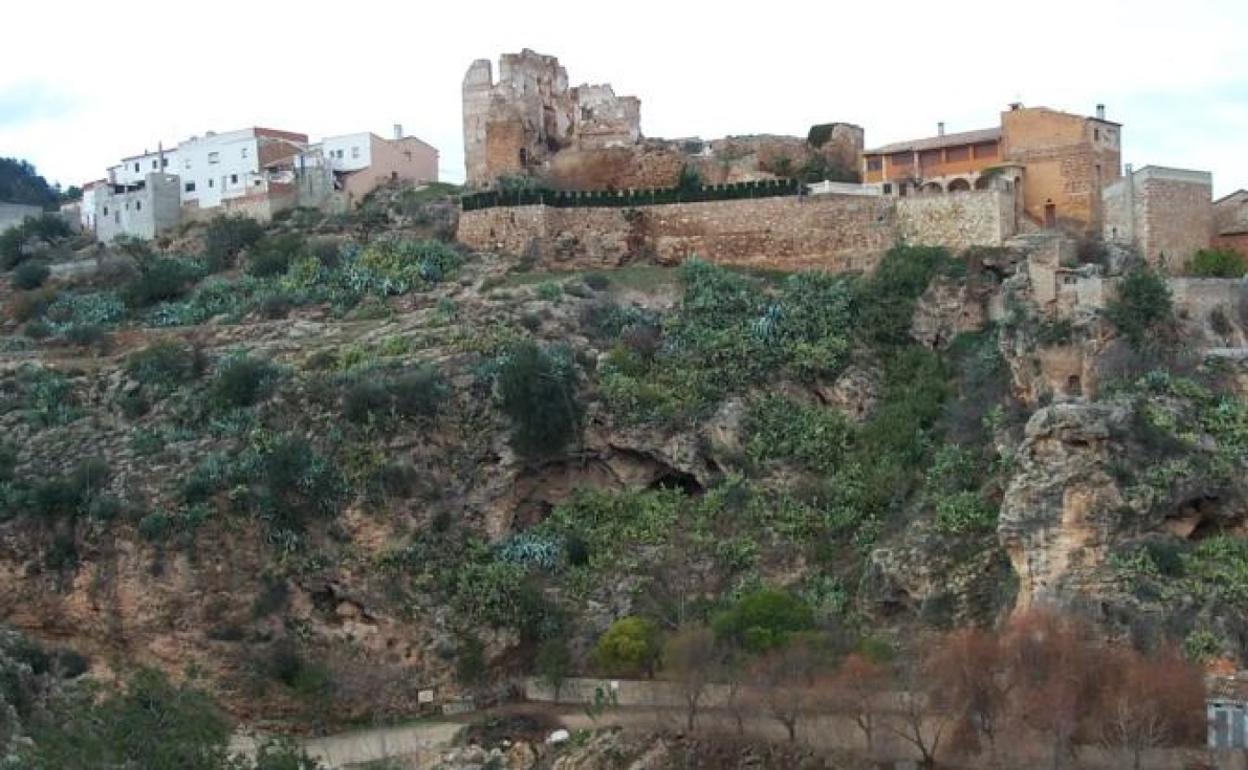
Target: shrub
(885, 305)
(291, 482)
(243, 380)
(165, 365)
(547, 291)
(160, 279)
(30, 275)
(963, 513)
(88, 335)
(226, 237)
(1141, 308)
(413, 394)
(538, 392)
(630, 647)
(273, 254)
(764, 619)
(1217, 263)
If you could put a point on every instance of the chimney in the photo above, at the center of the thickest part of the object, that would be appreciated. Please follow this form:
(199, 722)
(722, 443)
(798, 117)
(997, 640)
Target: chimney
(398, 131)
(940, 128)
(1100, 112)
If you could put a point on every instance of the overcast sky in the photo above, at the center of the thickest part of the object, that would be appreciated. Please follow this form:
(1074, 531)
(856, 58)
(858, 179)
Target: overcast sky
(84, 83)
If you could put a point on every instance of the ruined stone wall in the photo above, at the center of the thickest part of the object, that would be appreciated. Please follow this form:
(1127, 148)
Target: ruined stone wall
(830, 232)
(1234, 242)
(956, 220)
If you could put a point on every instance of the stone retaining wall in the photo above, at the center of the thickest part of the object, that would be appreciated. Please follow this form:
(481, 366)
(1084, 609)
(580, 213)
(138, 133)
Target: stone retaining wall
(829, 232)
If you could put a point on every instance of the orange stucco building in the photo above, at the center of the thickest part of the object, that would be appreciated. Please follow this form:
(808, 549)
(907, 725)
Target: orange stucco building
(1059, 162)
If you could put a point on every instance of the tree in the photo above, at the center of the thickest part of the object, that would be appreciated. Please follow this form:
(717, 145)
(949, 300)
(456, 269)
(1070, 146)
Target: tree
(689, 659)
(20, 183)
(1151, 702)
(630, 647)
(969, 668)
(1142, 308)
(790, 677)
(921, 718)
(553, 664)
(1053, 666)
(858, 684)
(764, 620)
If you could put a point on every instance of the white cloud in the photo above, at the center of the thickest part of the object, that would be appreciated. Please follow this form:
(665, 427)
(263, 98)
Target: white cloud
(143, 71)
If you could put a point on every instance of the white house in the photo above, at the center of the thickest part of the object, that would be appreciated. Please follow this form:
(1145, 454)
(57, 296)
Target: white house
(135, 168)
(216, 168)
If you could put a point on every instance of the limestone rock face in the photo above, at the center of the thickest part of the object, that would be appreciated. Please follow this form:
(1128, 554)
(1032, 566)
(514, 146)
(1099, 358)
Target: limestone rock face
(1063, 509)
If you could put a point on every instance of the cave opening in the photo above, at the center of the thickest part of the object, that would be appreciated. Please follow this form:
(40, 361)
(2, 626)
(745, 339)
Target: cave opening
(674, 479)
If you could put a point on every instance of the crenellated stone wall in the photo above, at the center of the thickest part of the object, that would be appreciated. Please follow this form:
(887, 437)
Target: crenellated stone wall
(828, 232)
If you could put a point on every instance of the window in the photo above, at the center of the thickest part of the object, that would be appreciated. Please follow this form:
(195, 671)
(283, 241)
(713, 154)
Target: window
(190, 187)
(875, 163)
(210, 183)
(164, 162)
(136, 168)
(106, 211)
(154, 163)
(244, 153)
(256, 183)
(214, 157)
(888, 189)
(187, 163)
(355, 152)
(138, 205)
(233, 178)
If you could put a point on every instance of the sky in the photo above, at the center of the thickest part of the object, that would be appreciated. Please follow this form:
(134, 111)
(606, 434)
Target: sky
(83, 84)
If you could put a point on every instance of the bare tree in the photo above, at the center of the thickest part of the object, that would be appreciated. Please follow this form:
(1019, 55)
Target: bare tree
(919, 720)
(689, 659)
(1149, 703)
(856, 691)
(788, 676)
(969, 667)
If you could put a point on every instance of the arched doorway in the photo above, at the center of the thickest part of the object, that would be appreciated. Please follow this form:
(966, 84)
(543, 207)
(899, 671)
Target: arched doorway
(959, 185)
(983, 183)
(1050, 213)
(932, 188)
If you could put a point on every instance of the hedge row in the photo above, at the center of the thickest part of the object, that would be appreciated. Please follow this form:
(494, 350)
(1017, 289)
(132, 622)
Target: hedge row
(767, 188)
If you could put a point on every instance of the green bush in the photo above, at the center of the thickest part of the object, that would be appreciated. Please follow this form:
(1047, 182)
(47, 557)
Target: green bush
(72, 495)
(414, 394)
(964, 513)
(30, 275)
(630, 647)
(160, 279)
(48, 228)
(165, 365)
(273, 254)
(538, 392)
(292, 483)
(225, 237)
(1142, 307)
(243, 380)
(1217, 263)
(88, 335)
(764, 620)
(886, 301)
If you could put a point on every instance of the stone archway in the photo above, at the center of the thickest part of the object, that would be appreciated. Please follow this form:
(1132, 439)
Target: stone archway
(932, 188)
(959, 185)
(984, 182)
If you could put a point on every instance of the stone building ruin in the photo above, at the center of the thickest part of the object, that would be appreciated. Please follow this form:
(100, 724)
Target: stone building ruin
(530, 124)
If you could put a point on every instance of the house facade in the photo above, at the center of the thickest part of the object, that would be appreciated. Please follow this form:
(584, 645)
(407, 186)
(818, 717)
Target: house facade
(1058, 161)
(140, 209)
(221, 167)
(360, 162)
